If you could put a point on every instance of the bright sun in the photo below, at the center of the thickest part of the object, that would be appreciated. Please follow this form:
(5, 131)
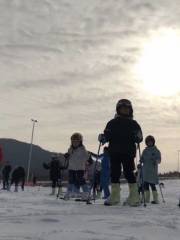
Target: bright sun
(159, 63)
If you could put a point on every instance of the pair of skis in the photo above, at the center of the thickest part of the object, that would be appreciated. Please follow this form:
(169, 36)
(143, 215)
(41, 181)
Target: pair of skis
(74, 199)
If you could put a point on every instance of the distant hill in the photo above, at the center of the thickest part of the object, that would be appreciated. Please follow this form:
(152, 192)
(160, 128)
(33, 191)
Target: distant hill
(17, 153)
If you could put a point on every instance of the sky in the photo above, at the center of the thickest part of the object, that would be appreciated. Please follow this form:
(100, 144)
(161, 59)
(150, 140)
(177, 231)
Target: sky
(66, 63)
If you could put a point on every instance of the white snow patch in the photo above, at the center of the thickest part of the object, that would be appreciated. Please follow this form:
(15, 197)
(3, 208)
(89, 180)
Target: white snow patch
(33, 214)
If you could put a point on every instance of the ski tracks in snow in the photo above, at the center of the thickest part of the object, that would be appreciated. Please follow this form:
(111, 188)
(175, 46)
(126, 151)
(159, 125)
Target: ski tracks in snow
(35, 215)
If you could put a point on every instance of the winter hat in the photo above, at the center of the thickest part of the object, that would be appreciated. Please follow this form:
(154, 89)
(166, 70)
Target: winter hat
(77, 136)
(150, 138)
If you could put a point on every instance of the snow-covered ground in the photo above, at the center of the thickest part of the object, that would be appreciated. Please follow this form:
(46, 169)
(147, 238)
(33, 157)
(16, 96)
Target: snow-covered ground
(34, 214)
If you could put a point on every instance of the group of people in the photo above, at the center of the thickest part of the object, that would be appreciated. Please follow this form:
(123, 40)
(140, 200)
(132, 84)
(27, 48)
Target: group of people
(10, 177)
(122, 135)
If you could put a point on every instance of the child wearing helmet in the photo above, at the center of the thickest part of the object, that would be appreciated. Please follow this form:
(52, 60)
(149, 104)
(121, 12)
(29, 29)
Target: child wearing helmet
(104, 172)
(77, 156)
(54, 168)
(122, 133)
(92, 175)
(151, 157)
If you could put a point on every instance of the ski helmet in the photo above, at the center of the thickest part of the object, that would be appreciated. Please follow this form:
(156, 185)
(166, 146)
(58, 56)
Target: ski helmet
(77, 136)
(126, 103)
(150, 138)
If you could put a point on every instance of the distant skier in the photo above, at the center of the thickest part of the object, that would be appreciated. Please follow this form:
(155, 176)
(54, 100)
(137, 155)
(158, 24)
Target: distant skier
(150, 159)
(5, 176)
(92, 175)
(54, 167)
(77, 157)
(1, 155)
(104, 178)
(17, 177)
(34, 180)
(122, 133)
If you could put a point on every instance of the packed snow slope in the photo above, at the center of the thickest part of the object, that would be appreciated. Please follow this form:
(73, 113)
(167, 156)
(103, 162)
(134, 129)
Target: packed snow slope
(33, 214)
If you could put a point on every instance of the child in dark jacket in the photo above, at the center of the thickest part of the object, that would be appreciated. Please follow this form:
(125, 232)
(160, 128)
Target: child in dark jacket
(5, 176)
(18, 176)
(54, 167)
(122, 133)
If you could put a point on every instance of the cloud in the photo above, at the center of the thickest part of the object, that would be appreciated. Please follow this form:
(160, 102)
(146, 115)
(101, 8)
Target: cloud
(67, 64)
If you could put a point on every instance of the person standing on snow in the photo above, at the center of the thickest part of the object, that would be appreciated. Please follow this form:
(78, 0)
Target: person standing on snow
(77, 156)
(54, 167)
(5, 176)
(150, 159)
(18, 176)
(122, 133)
(105, 171)
(92, 175)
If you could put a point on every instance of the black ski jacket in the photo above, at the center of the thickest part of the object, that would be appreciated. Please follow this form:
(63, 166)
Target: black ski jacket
(18, 174)
(6, 171)
(54, 169)
(122, 135)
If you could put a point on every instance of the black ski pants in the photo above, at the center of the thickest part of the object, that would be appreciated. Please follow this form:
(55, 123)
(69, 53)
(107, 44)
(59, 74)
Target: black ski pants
(54, 183)
(146, 186)
(6, 183)
(119, 161)
(16, 181)
(77, 178)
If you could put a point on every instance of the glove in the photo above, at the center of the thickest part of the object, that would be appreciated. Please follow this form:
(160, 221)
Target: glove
(66, 155)
(101, 138)
(139, 166)
(138, 136)
(45, 165)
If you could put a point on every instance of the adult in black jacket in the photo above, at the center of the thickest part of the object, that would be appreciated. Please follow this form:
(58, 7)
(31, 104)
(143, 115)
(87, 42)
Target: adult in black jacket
(18, 176)
(122, 133)
(5, 176)
(54, 167)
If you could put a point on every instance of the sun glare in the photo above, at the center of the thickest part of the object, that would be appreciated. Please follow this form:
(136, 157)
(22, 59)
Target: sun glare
(159, 64)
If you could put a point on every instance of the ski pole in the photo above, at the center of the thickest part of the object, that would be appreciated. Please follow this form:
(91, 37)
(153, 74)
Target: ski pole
(94, 178)
(160, 188)
(141, 176)
(179, 202)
